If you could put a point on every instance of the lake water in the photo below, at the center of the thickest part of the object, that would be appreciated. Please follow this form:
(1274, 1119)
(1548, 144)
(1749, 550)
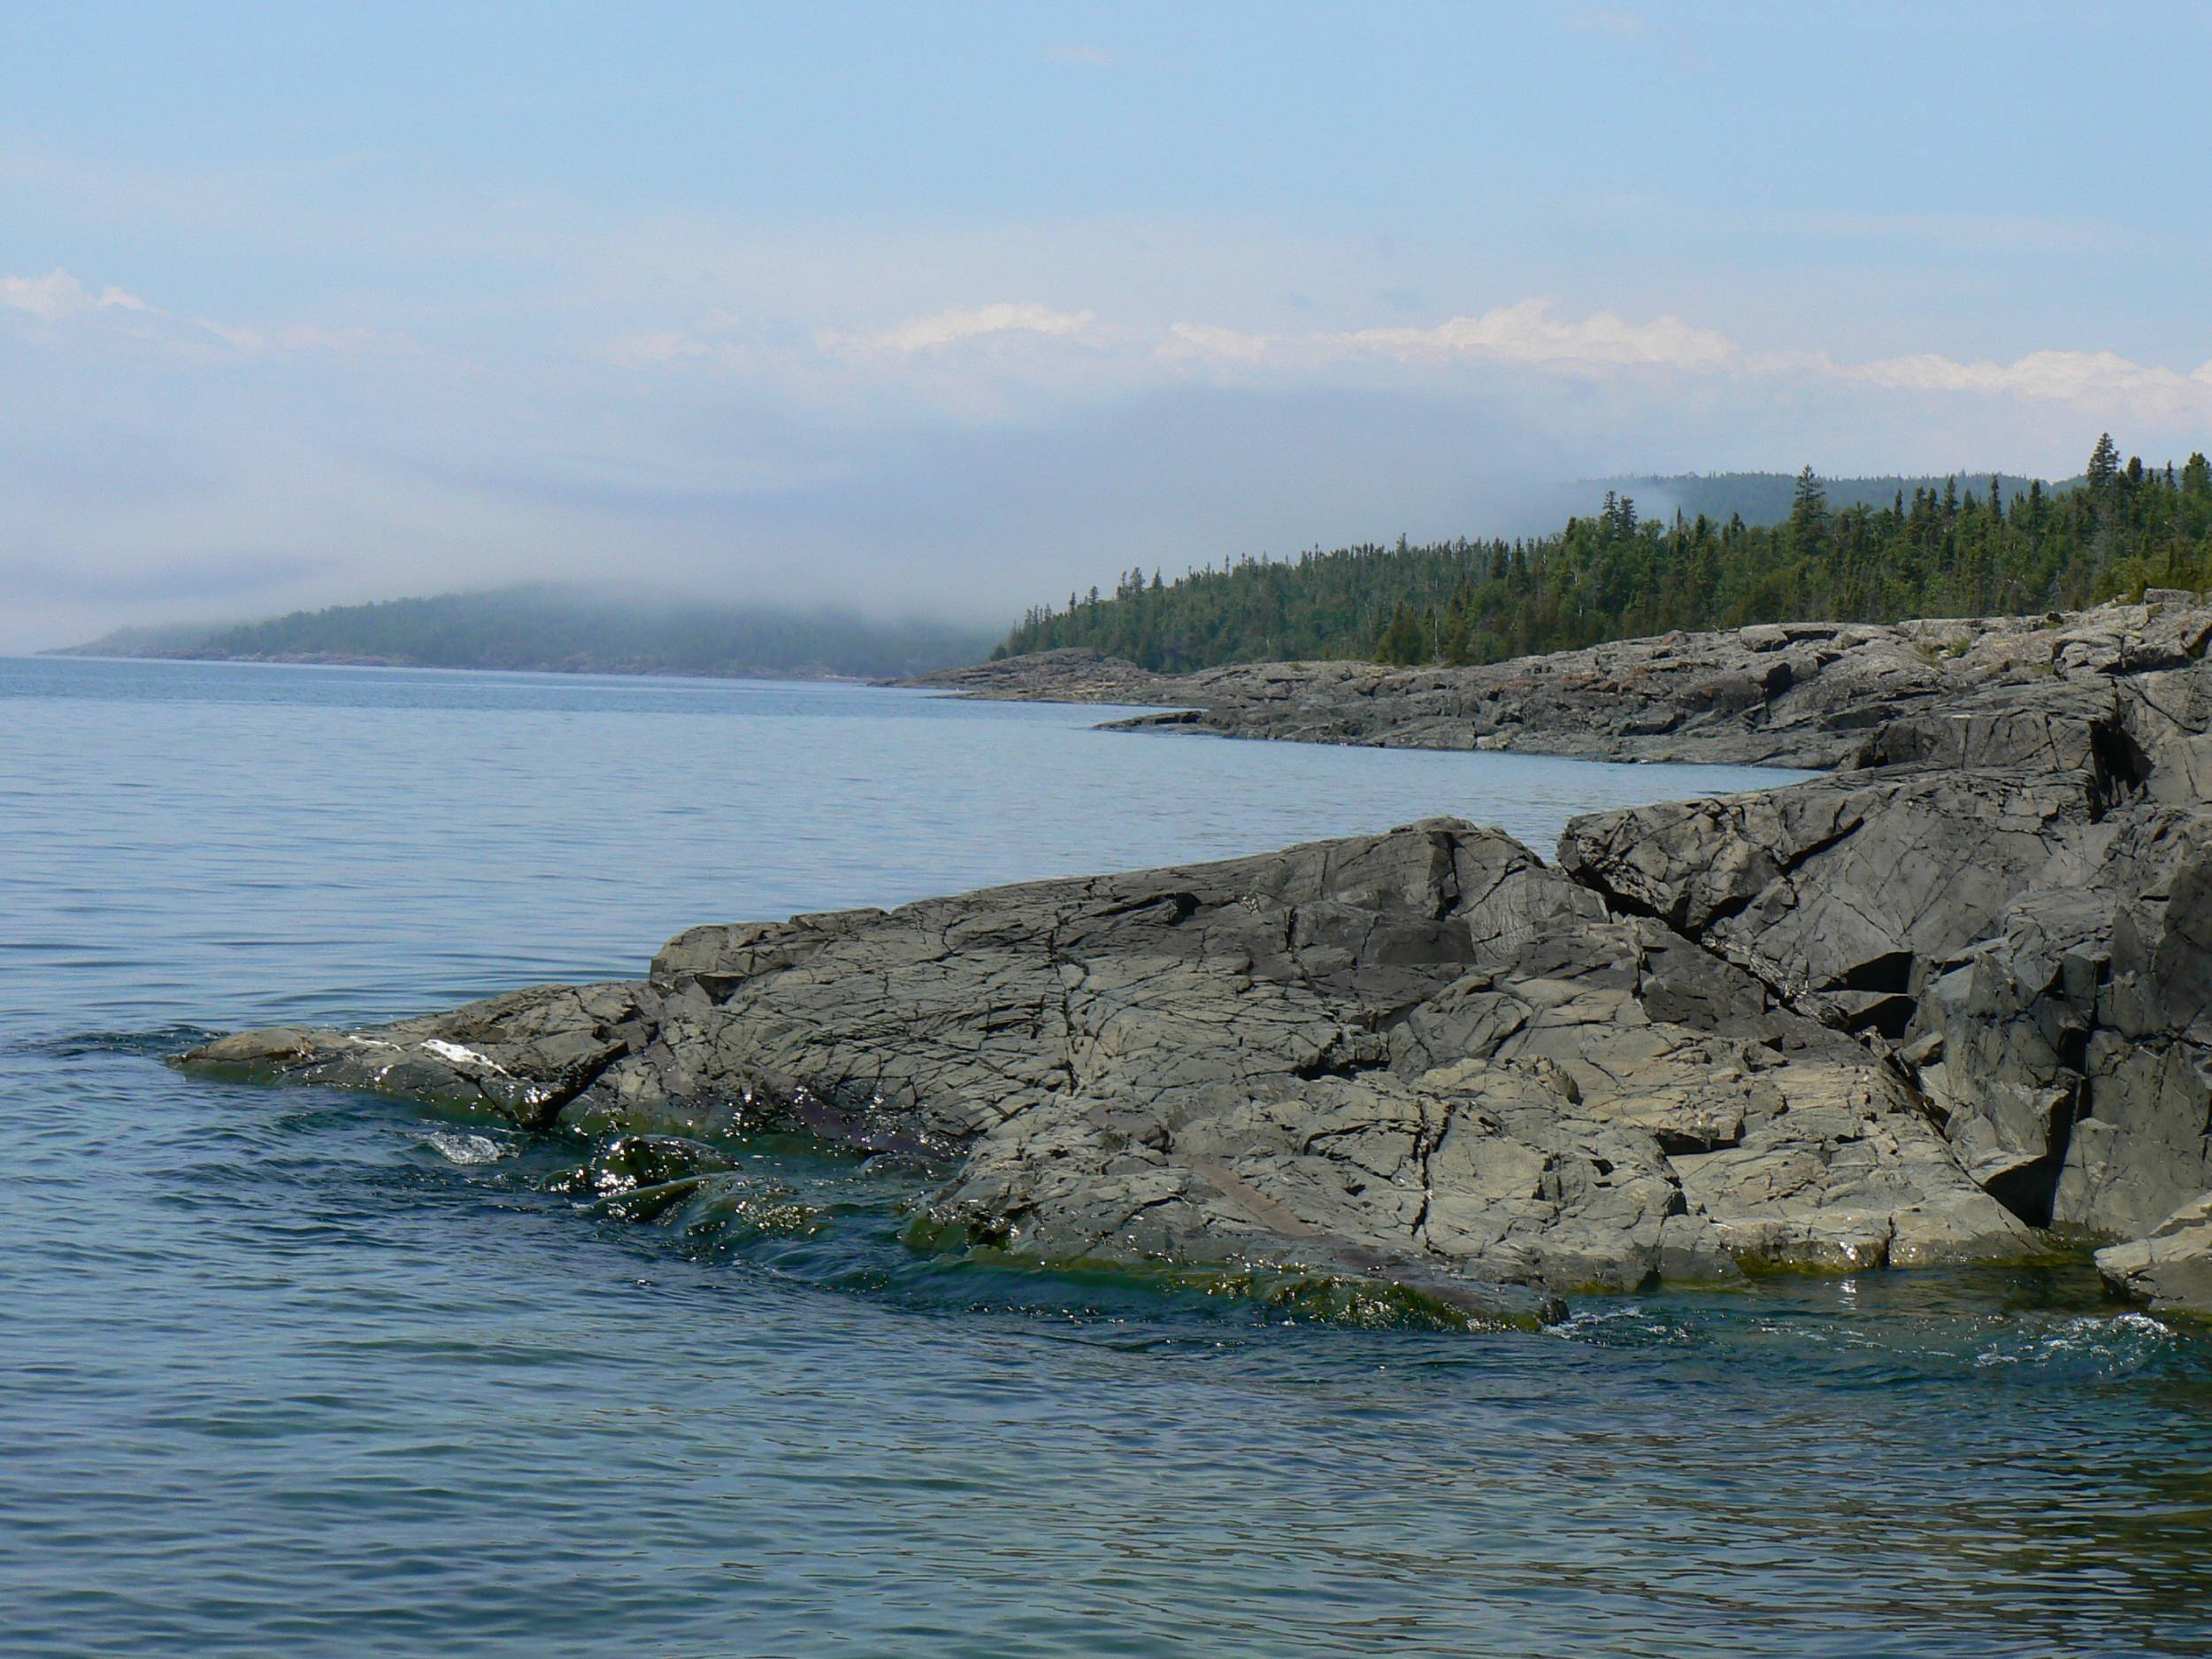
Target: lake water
(294, 1373)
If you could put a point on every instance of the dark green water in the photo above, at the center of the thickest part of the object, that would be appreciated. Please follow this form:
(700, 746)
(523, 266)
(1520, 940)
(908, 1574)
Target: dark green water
(285, 1372)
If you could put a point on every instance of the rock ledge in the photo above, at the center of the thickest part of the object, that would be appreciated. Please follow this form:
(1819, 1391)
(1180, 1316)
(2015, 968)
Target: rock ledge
(1938, 1006)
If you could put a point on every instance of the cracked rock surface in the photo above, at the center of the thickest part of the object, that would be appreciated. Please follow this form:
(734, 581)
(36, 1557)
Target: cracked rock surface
(1423, 1056)
(1809, 695)
(2017, 907)
(1920, 1009)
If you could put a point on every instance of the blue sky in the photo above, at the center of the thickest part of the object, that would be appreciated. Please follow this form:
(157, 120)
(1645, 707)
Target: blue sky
(965, 305)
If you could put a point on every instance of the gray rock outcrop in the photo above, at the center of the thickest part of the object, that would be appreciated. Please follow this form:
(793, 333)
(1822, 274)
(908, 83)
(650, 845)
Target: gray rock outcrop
(2170, 1267)
(1806, 695)
(2017, 909)
(1422, 1056)
(1931, 1007)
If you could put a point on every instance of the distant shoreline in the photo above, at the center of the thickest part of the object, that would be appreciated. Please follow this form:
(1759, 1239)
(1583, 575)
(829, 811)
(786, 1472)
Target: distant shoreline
(546, 628)
(337, 660)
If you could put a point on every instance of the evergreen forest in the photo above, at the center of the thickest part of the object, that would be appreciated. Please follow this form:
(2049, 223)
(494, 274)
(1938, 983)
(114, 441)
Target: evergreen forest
(1973, 547)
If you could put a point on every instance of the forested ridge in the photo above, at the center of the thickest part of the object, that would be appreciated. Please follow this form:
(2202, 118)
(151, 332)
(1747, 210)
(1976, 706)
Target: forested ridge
(1765, 498)
(1973, 547)
(552, 628)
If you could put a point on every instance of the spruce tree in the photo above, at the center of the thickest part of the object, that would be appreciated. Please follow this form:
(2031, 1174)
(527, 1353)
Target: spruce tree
(1809, 506)
(2104, 464)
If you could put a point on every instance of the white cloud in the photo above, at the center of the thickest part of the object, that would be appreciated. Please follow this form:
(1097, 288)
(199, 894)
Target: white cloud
(306, 337)
(950, 328)
(654, 347)
(1095, 56)
(1205, 340)
(1534, 335)
(1533, 332)
(1008, 362)
(57, 296)
(2067, 376)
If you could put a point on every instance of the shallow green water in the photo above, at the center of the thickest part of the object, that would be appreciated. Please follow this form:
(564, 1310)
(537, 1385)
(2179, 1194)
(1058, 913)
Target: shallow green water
(288, 1372)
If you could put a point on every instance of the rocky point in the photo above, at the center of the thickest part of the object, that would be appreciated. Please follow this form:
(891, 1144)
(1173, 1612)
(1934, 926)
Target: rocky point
(1947, 1004)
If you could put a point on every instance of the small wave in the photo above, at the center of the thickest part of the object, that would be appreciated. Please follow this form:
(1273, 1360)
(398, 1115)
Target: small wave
(2118, 1341)
(462, 1148)
(1632, 1323)
(159, 1043)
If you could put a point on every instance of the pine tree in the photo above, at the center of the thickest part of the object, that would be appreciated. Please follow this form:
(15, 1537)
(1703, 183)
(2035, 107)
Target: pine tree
(1809, 506)
(2104, 464)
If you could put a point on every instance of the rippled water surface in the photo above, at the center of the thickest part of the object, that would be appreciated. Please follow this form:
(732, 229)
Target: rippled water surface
(293, 1373)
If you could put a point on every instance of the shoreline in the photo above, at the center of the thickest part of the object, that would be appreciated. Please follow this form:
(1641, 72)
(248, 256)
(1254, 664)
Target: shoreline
(325, 660)
(1939, 1004)
(1810, 695)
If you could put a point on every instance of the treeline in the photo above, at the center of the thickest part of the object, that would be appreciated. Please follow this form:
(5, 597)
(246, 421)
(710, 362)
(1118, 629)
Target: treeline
(1765, 498)
(1969, 549)
(552, 628)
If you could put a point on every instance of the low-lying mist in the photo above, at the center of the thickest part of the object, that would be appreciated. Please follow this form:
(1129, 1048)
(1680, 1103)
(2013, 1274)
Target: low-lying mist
(594, 628)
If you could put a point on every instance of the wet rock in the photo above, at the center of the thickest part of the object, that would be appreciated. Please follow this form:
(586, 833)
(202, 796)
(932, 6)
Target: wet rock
(2171, 1266)
(522, 1057)
(629, 1161)
(1418, 1057)
(1909, 1012)
(697, 1187)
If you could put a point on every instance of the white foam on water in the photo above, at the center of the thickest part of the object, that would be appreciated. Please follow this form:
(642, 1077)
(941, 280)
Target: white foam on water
(2121, 1340)
(1600, 1325)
